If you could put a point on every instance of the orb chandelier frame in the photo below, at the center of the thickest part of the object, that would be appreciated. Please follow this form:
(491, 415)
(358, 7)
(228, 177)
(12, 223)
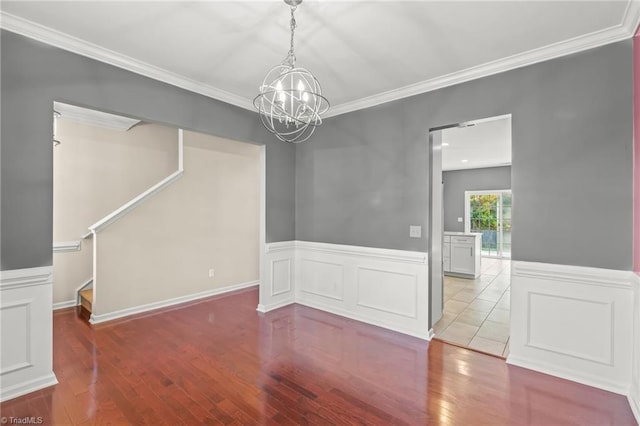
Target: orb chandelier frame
(290, 101)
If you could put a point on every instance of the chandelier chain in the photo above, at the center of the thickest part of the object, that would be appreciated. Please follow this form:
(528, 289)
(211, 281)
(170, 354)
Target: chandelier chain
(291, 56)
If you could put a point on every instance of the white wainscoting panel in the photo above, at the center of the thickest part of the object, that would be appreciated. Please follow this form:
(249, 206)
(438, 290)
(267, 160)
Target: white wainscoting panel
(325, 279)
(388, 291)
(388, 288)
(277, 275)
(634, 394)
(573, 322)
(26, 363)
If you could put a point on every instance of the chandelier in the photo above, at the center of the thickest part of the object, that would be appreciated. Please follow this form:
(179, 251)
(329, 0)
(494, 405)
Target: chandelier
(290, 101)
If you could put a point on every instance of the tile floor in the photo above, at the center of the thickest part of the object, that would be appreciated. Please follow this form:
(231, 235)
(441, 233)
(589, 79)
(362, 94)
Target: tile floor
(476, 311)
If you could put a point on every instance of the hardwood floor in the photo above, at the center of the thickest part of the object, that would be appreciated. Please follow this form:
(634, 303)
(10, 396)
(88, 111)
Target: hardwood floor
(220, 362)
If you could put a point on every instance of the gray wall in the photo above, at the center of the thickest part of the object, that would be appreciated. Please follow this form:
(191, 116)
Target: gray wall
(456, 182)
(34, 75)
(364, 177)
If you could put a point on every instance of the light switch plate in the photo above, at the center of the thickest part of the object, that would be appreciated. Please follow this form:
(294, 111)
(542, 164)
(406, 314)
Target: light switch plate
(460, 220)
(415, 231)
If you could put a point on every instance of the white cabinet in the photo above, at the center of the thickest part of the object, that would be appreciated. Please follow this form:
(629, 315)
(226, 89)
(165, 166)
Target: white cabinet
(446, 253)
(461, 254)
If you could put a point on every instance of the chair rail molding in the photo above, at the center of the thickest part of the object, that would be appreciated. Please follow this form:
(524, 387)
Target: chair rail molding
(65, 246)
(573, 322)
(26, 362)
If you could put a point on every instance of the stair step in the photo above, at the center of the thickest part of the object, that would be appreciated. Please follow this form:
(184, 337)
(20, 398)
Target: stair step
(86, 299)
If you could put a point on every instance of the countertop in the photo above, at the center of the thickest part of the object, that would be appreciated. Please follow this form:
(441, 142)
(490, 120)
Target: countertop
(468, 234)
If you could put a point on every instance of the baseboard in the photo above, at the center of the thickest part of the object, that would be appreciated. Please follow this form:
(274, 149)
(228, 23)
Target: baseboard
(554, 370)
(64, 305)
(431, 334)
(268, 308)
(97, 319)
(28, 387)
(635, 407)
(363, 318)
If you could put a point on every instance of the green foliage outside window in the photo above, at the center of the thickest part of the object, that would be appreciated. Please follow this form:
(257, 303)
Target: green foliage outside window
(483, 212)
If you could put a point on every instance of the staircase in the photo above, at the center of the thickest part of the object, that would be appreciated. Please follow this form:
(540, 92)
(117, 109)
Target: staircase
(86, 301)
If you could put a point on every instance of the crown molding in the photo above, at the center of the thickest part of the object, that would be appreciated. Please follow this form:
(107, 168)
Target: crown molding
(72, 44)
(93, 117)
(577, 44)
(626, 29)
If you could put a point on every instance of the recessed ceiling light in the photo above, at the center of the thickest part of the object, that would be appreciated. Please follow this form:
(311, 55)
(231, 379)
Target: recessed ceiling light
(465, 161)
(445, 144)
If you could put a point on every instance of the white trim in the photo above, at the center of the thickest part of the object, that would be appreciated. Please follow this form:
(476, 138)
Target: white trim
(279, 246)
(96, 319)
(634, 391)
(594, 345)
(635, 408)
(339, 290)
(361, 317)
(634, 403)
(65, 246)
(180, 150)
(65, 304)
(18, 278)
(67, 42)
(390, 255)
(130, 205)
(268, 308)
(626, 29)
(29, 291)
(613, 34)
(431, 334)
(573, 274)
(554, 370)
(28, 387)
(124, 209)
(93, 117)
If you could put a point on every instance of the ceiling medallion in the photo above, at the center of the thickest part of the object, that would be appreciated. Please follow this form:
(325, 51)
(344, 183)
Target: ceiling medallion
(290, 101)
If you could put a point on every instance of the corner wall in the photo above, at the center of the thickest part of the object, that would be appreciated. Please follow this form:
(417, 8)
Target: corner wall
(364, 178)
(34, 75)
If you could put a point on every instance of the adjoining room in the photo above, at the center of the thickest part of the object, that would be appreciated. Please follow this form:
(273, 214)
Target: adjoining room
(477, 223)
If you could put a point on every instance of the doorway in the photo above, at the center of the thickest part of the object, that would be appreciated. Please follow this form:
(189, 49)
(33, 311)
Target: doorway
(469, 161)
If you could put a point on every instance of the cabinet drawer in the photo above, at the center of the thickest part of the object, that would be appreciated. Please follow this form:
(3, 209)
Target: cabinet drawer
(447, 239)
(463, 240)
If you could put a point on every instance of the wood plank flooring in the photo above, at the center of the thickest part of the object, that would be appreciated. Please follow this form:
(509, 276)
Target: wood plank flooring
(220, 362)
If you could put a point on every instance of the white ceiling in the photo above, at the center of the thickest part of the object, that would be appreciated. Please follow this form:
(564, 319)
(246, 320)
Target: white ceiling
(363, 52)
(483, 143)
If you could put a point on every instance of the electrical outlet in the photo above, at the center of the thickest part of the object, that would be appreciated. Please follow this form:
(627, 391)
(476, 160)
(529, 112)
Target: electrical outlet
(415, 231)
(212, 273)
